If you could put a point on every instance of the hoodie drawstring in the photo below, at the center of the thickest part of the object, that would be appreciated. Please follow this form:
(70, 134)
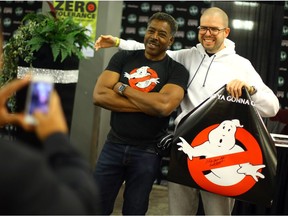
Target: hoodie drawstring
(196, 72)
(207, 71)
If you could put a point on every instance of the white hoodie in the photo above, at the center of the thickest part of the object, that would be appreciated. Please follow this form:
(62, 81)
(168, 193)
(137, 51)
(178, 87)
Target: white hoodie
(208, 74)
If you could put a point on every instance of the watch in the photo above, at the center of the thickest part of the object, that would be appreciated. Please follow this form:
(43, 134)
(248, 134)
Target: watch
(252, 90)
(121, 88)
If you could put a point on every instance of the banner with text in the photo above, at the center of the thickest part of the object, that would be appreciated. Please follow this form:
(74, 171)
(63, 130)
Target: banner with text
(223, 147)
(83, 12)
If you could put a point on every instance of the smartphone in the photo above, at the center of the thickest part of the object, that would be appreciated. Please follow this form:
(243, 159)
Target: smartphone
(38, 96)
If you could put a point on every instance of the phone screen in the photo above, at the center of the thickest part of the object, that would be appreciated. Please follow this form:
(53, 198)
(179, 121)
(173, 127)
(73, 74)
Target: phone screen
(38, 97)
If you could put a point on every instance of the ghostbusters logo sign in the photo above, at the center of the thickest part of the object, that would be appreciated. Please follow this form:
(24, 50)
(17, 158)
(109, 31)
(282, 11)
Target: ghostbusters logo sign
(143, 79)
(224, 158)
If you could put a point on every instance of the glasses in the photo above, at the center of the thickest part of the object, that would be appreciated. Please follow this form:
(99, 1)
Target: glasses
(213, 30)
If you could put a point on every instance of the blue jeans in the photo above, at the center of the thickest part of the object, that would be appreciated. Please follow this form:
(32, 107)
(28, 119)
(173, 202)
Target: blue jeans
(137, 167)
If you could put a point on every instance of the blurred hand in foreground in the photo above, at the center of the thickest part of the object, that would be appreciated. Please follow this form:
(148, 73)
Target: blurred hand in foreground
(5, 93)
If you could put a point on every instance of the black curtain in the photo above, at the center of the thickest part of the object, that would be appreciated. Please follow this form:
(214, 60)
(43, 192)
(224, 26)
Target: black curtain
(262, 44)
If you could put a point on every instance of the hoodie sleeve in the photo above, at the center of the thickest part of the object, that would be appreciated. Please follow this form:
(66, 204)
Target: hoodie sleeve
(130, 45)
(265, 100)
(179, 55)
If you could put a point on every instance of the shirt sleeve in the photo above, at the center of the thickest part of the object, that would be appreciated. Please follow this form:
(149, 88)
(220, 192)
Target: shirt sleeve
(117, 61)
(180, 76)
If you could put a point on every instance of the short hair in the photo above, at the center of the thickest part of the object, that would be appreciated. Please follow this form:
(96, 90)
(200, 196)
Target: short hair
(219, 12)
(167, 18)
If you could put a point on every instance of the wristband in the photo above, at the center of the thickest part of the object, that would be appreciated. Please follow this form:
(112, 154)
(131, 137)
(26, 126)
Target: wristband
(117, 42)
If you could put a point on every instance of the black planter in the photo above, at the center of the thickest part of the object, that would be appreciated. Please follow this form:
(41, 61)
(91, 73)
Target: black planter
(64, 84)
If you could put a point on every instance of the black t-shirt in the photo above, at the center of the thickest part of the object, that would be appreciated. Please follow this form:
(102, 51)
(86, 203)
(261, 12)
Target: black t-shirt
(148, 76)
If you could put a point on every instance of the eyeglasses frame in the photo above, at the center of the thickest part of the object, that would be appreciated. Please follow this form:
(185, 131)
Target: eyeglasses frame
(209, 29)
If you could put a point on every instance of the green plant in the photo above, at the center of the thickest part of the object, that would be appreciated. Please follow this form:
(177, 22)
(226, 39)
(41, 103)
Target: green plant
(64, 36)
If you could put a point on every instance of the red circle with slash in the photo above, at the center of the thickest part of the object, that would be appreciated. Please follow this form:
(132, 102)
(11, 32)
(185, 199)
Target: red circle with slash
(150, 75)
(197, 166)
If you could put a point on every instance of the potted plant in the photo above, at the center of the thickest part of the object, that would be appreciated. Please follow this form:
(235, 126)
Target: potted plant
(44, 43)
(44, 37)
(63, 36)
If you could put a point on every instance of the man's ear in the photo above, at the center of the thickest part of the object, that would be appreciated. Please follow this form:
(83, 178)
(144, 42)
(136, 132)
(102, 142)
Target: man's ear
(171, 41)
(227, 32)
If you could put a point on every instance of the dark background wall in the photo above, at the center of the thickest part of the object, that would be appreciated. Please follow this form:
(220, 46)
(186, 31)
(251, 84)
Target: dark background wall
(282, 90)
(12, 12)
(136, 14)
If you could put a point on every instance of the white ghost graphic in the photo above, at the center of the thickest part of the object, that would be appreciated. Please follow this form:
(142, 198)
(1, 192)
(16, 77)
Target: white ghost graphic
(221, 141)
(140, 73)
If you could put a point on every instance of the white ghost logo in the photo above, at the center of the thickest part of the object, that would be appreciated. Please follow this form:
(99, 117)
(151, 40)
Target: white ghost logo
(140, 73)
(221, 141)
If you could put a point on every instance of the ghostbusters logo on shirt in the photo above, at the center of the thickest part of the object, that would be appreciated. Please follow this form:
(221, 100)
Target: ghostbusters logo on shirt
(143, 78)
(224, 158)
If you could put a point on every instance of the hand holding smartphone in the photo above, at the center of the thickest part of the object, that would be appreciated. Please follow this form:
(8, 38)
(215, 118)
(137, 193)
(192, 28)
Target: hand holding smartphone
(38, 96)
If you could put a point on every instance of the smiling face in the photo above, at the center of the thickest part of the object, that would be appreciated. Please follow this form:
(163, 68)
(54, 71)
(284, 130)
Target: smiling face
(217, 19)
(157, 39)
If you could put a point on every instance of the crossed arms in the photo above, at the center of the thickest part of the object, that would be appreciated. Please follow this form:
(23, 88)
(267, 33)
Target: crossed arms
(161, 103)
